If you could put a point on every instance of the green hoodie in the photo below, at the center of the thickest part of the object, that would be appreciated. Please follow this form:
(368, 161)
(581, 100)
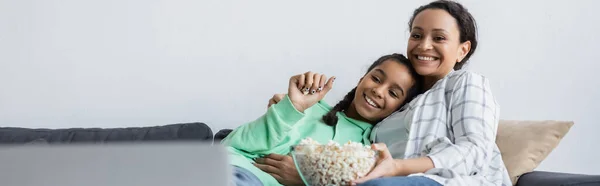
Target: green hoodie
(283, 126)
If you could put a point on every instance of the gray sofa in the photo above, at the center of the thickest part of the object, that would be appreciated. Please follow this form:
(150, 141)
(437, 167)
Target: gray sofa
(535, 178)
(201, 132)
(173, 132)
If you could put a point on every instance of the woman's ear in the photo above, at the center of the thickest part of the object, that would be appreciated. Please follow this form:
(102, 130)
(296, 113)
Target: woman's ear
(463, 50)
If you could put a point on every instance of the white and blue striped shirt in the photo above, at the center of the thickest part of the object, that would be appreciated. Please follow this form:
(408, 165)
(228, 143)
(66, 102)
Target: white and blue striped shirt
(455, 124)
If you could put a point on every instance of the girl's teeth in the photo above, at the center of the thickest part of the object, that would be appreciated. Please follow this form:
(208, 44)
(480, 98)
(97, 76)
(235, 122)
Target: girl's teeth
(371, 102)
(425, 58)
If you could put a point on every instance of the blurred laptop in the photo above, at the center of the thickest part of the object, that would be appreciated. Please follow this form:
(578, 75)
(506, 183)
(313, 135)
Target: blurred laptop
(120, 164)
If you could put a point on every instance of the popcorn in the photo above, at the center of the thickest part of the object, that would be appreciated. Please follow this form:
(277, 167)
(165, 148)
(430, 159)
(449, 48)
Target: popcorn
(333, 164)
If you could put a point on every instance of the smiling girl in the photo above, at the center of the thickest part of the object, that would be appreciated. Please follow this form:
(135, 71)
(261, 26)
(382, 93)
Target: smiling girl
(390, 82)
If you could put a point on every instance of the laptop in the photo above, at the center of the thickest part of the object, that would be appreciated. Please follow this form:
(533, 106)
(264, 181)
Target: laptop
(116, 164)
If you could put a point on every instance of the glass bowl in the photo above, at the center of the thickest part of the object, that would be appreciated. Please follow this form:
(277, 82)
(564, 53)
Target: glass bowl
(332, 164)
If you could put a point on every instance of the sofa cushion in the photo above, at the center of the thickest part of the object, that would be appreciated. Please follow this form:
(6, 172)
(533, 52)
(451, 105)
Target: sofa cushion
(524, 144)
(182, 131)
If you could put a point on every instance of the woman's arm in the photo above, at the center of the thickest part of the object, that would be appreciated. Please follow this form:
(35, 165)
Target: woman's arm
(387, 166)
(406, 167)
(474, 115)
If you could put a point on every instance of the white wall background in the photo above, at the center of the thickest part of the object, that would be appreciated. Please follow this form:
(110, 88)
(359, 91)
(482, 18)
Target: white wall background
(115, 63)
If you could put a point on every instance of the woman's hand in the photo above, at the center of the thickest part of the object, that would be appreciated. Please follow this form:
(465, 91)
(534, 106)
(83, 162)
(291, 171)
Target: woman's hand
(275, 99)
(307, 89)
(281, 167)
(385, 166)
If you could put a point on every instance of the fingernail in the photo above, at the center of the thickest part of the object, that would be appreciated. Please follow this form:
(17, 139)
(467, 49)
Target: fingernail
(312, 92)
(319, 89)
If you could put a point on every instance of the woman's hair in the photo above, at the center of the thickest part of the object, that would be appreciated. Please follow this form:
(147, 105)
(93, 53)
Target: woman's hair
(465, 21)
(331, 118)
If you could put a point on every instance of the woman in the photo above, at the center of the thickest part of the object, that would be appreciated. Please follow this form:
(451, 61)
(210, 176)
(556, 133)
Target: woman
(390, 82)
(445, 136)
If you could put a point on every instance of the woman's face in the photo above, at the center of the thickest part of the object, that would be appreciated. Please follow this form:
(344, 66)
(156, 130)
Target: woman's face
(434, 46)
(382, 90)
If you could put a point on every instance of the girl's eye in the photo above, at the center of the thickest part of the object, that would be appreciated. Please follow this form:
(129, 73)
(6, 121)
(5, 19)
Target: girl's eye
(393, 94)
(376, 79)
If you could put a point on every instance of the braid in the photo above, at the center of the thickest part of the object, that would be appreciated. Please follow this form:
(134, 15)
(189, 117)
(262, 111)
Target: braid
(331, 118)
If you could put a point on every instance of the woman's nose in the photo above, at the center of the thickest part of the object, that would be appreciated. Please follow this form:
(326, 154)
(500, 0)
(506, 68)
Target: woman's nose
(425, 44)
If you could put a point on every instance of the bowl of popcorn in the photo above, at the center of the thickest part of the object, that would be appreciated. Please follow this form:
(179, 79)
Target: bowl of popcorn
(332, 163)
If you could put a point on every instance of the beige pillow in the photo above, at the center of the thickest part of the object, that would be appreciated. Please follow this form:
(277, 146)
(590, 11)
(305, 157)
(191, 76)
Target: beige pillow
(524, 144)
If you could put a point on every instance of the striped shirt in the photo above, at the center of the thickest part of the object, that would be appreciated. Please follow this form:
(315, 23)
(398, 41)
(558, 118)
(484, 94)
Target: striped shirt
(455, 124)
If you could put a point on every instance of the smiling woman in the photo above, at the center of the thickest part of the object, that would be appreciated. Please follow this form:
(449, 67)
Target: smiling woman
(438, 44)
(390, 82)
(452, 126)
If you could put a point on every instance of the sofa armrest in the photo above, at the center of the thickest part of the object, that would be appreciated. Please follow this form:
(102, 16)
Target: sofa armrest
(557, 179)
(222, 134)
(175, 132)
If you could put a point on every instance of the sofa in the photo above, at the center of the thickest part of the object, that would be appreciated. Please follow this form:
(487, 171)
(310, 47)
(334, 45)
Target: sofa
(202, 132)
(173, 132)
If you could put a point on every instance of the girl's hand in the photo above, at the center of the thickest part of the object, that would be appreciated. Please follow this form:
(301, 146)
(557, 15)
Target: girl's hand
(307, 89)
(281, 167)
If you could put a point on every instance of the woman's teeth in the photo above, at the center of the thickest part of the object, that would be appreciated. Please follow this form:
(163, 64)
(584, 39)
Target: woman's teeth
(424, 58)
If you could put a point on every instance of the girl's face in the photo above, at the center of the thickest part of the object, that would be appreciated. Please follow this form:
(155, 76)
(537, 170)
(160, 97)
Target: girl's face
(434, 46)
(381, 91)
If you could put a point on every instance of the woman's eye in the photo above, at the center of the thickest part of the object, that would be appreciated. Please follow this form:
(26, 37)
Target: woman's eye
(440, 38)
(416, 36)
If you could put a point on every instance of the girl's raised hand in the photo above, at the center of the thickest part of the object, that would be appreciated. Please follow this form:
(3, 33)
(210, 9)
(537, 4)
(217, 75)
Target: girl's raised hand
(307, 89)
